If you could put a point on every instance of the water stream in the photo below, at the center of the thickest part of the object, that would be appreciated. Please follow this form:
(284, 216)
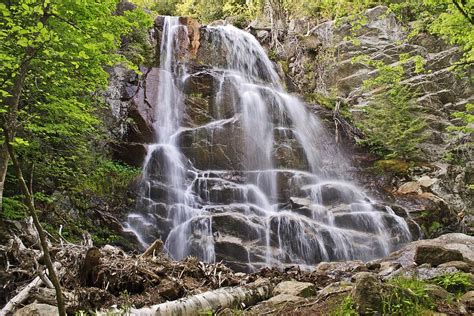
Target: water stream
(284, 196)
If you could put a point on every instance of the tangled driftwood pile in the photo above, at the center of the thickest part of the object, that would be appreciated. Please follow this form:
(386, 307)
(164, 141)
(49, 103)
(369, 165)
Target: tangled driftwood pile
(152, 284)
(94, 278)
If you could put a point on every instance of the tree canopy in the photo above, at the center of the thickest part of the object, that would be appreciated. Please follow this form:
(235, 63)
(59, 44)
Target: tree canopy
(62, 49)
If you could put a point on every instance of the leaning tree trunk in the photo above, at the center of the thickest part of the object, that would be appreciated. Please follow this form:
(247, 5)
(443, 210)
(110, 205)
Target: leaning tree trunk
(42, 236)
(10, 119)
(232, 297)
(3, 171)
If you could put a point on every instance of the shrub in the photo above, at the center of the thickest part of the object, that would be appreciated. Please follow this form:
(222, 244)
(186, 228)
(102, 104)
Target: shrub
(109, 180)
(406, 296)
(457, 282)
(347, 308)
(13, 208)
(392, 127)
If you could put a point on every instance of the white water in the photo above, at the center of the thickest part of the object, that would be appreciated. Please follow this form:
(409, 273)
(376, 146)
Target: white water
(336, 220)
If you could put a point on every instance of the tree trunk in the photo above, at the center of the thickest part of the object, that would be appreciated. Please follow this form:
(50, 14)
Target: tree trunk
(4, 158)
(233, 297)
(36, 222)
(13, 101)
(11, 117)
(278, 17)
(87, 272)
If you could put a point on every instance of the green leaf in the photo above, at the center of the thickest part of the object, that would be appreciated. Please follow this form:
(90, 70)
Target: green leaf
(23, 42)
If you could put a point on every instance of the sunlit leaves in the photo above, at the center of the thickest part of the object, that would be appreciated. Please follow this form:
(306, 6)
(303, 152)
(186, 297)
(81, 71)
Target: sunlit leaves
(72, 42)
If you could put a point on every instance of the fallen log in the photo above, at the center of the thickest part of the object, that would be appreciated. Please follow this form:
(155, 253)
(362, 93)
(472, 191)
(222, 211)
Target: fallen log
(24, 294)
(21, 296)
(226, 297)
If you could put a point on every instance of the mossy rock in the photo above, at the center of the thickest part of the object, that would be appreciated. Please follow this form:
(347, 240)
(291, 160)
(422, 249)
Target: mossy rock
(318, 98)
(393, 166)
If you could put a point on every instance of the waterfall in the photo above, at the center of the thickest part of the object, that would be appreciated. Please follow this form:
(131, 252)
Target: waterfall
(262, 182)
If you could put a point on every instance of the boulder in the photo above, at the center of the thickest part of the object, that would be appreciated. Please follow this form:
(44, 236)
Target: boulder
(335, 288)
(468, 300)
(230, 248)
(460, 265)
(36, 309)
(367, 293)
(426, 181)
(273, 304)
(388, 268)
(437, 293)
(236, 225)
(436, 255)
(297, 202)
(423, 272)
(410, 187)
(294, 288)
(283, 298)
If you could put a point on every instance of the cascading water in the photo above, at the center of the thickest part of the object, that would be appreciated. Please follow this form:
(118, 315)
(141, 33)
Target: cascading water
(260, 182)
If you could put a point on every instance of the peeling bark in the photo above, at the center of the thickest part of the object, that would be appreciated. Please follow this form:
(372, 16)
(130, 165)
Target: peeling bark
(232, 297)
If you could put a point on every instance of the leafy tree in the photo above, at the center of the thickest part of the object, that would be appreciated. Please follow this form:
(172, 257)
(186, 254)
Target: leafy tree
(53, 56)
(392, 126)
(210, 10)
(452, 20)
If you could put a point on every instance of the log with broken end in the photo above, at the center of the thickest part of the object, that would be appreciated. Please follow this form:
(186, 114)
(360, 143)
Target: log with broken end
(155, 248)
(226, 297)
(24, 294)
(89, 266)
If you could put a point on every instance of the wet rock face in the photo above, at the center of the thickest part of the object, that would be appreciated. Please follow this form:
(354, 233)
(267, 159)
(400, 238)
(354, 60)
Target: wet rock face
(245, 173)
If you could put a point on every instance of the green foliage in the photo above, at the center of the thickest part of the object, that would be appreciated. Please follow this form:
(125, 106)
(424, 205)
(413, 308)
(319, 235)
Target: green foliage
(14, 208)
(210, 10)
(457, 282)
(346, 308)
(165, 7)
(406, 297)
(467, 119)
(432, 228)
(109, 179)
(394, 166)
(392, 127)
(72, 43)
(452, 20)
(321, 99)
(206, 10)
(461, 134)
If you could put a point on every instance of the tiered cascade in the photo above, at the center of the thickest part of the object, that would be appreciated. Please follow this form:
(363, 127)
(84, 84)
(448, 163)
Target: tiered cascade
(256, 180)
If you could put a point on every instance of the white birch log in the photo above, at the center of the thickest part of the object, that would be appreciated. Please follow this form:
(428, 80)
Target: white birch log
(232, 297)
(25, 293)
(21, 296)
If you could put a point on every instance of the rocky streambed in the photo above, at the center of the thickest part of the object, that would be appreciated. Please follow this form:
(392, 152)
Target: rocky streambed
(433, 275)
